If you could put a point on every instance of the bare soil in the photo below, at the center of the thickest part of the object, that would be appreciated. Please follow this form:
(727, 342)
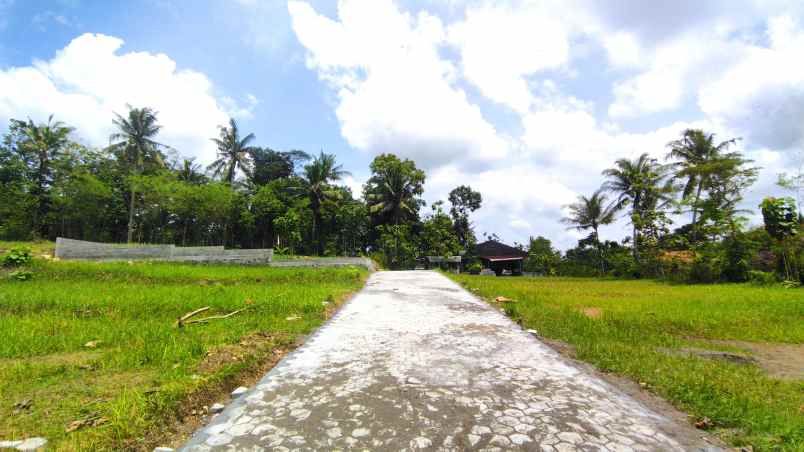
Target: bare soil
(783, 361)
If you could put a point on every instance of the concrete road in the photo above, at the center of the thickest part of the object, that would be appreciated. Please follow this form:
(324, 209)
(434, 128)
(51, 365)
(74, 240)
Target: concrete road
(413, 362)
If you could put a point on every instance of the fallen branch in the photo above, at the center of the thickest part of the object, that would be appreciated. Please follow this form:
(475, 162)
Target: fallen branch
(215, 317)
(181, 321)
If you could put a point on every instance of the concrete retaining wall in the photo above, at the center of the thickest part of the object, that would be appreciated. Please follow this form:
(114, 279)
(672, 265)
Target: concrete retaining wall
(79, 249)
(327, 262)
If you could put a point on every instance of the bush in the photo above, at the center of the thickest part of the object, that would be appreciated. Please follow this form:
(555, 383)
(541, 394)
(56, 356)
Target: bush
(474, 268)
(21, 275)
(17, 256)
(760, 278)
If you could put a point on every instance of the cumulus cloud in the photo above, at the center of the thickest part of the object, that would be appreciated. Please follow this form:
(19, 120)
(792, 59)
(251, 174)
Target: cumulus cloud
(394, 91)
(501, 46)
(91, 78)
(421, 87)
(763, 94)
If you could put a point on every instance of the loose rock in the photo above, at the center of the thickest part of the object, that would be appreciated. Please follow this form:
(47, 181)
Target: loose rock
(239, 391)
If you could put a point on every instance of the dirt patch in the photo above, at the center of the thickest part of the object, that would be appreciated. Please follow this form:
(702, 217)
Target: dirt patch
(592, 313)
(254, 343)
(783, 361)
(734, 358)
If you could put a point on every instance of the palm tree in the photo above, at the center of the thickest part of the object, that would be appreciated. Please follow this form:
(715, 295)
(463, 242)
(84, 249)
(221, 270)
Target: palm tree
(591, 213)
(637, 184)
(316, 182)
(233, 153)
(134, 144)
(394, 193)
(698, 157)
(43, 141)
(190, 172)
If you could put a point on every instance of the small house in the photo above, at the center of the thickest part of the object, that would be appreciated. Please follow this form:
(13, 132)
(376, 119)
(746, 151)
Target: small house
(500, 258)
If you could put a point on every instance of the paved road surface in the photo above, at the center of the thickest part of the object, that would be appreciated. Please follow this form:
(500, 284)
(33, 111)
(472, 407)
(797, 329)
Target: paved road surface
(416, 362)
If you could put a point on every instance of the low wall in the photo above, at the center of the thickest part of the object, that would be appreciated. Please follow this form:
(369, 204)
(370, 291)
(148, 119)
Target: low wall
(327, 262)
(80, 249)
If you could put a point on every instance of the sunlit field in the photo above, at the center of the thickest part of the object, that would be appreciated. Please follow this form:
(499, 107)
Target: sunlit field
(659, 335)
(92, 358)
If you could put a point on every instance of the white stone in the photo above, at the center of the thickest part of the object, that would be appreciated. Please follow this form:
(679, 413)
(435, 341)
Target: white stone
(239, 391)
(519, 439)
(32, 443)
(163, 449)
(216, 408)
(360, 432)
(420, 443)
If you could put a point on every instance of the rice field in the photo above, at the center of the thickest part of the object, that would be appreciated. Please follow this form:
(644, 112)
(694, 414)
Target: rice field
(91, 357)
(672, 339)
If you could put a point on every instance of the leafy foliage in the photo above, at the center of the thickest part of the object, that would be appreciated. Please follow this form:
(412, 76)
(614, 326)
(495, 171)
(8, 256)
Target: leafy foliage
(16, 257)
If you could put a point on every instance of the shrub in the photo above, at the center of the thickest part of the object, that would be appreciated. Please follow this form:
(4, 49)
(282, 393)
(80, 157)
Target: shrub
(17, 256)
(474, 268)
(21, 275)
(761, 278)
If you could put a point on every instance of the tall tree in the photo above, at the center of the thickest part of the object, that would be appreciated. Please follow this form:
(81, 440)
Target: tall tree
(464, 200)
(43, 143)
(591, 213)
(638, 184)
(393, 191)
(135, 144)
(270, 165)
(234, 153)
(698, 159)
(317, 181)
(190, 172)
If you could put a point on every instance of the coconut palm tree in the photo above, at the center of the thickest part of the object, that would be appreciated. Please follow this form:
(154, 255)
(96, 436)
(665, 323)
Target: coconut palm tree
(638, 184)
(190, 172)
(316, 182)
(591, 213)
(135, 145)
(392, 193)
(43, 142)
(233, 153)
(698, 158)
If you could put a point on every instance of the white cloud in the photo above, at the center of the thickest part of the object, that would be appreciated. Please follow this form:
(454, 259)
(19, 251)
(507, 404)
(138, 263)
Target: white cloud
(394, 92)
(500, 46)
(90, 79)
(763, 94)
(398, 78)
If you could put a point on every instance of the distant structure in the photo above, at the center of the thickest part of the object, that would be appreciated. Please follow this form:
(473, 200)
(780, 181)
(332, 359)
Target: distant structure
(500, 258)
(448, 263)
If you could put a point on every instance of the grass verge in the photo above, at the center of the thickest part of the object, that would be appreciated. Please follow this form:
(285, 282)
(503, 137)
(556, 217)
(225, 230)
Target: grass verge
(640, 330)
(90, 357)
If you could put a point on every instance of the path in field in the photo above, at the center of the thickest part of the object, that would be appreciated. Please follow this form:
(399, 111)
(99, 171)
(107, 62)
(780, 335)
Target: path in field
(416, 362)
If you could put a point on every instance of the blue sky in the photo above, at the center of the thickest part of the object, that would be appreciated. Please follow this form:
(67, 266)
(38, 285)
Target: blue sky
(526, 101)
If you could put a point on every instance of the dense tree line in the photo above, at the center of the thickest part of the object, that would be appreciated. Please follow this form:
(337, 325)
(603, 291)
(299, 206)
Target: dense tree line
(140, 190)
(702, 178)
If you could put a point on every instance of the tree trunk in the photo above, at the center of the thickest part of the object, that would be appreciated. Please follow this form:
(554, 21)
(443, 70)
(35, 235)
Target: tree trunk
(130, 236)
(599, 251)
(635, 239)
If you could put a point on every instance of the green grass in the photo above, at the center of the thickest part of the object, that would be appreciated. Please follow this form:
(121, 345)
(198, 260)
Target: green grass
(641, 320)
(143, 366)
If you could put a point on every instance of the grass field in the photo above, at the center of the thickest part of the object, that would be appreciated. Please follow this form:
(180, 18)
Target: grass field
(642, 330)
(94, 348)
